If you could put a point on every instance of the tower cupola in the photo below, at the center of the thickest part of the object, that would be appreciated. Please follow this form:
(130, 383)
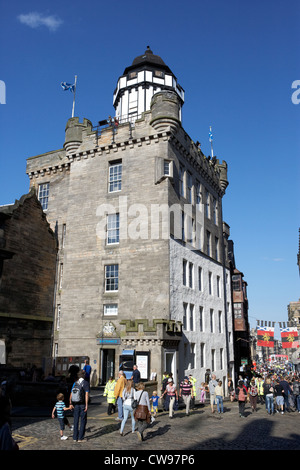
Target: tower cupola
(147, 75)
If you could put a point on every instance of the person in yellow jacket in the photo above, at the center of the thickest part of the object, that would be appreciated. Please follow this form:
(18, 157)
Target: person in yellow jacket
(193, 382)
(260, 389)
(109, 392)
(120, 385)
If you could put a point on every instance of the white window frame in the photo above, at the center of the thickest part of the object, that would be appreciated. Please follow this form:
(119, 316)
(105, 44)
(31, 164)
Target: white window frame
(115, 177)
(43, 195)
(111, 280)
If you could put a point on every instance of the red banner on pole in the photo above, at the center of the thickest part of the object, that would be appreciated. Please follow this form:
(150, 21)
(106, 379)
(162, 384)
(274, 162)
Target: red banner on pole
(265, 336)
(289, 338)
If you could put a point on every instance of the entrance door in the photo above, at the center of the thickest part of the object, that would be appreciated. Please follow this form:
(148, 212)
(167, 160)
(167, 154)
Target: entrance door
(170, 363)
(108, 364)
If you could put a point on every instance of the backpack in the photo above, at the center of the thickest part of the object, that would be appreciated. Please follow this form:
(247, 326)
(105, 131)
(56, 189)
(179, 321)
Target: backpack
(78, 393)
(241, 395)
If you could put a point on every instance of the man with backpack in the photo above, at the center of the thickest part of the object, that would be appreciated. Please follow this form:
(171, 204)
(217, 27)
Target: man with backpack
(79, 399)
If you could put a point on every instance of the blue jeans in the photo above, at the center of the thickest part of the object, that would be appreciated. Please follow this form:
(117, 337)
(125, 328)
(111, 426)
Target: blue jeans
(270, 404)
(120, 407)
(219, 403)
(126, 410)
(79, 414)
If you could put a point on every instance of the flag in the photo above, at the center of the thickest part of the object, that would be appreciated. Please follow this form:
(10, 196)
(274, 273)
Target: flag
(265, 336)
(289, 337)
(210, 136)
(67, 86)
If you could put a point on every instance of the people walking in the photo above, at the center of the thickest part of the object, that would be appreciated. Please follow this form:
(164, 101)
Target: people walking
(241, 395)
(269, 395)
(260, 389)
(59, 410)
(279, 397)
(118, 392)
(287, 389)
(142, 413)
(128, 398)
(171, 395)
(193, 381)
(109, 392)
(186, 391)
(253, 395)
(212, 395)
(136, 375)
(88, 370)
(79, 399)
(296, 392)
(203, 389)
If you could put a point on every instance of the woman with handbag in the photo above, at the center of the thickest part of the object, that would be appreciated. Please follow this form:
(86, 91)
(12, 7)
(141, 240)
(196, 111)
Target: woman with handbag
(142, 412)
(128, 398)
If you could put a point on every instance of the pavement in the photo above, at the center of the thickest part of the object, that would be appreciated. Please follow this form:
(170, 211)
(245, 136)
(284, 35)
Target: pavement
(34, 429)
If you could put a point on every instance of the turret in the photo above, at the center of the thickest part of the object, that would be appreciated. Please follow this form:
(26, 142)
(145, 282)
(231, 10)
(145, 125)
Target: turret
(73, 133)
(147, 75)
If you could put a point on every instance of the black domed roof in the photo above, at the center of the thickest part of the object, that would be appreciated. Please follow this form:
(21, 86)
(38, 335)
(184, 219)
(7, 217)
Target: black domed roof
(148, 58)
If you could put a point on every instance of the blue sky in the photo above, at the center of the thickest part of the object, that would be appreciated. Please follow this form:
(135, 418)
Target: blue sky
(236, 60)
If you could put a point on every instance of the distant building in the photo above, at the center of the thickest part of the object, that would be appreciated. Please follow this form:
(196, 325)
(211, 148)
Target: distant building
(28, 252)
(143, 271)
(241, 327)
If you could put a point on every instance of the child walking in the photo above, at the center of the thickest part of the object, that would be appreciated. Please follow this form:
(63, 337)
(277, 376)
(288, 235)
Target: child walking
(60, 409)
(154, 400)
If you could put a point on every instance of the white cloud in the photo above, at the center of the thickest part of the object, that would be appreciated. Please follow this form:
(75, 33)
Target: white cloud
(35, 20)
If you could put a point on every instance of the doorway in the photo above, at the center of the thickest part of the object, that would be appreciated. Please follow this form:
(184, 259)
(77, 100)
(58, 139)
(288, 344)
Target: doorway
(108, 364)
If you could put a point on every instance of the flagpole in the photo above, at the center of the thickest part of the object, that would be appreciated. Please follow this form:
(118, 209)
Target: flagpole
(73, 109)
(211, 143)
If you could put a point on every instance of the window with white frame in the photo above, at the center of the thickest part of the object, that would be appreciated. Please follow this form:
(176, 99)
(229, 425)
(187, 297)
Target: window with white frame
(192, 320)
(113, 229)
(213, 359)
(221, 358)
(191, 275)
(215, 211)
(43, 195)
(216, 249)
(208, 243)
(115, 177)
(210, 284)
(184, 268)
(218, 286)
(198, 195)
(181, 180)
(110, 309)
(220, 321)
(184, 319)
(201, 319)
(189, 188)
(207, 204)
(202, 354)
(58, 312)
(193, 355)
(211, 320)
(167, 168)
(111, 277)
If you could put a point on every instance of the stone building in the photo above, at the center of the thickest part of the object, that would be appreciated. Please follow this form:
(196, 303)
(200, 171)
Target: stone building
(143, 269)
(28, 252)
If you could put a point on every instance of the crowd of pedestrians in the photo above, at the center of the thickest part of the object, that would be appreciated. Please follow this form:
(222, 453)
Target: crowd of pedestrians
(276, 390)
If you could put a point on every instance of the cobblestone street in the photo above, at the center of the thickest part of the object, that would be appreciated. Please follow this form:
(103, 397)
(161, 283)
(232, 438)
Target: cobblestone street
(202, 430)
